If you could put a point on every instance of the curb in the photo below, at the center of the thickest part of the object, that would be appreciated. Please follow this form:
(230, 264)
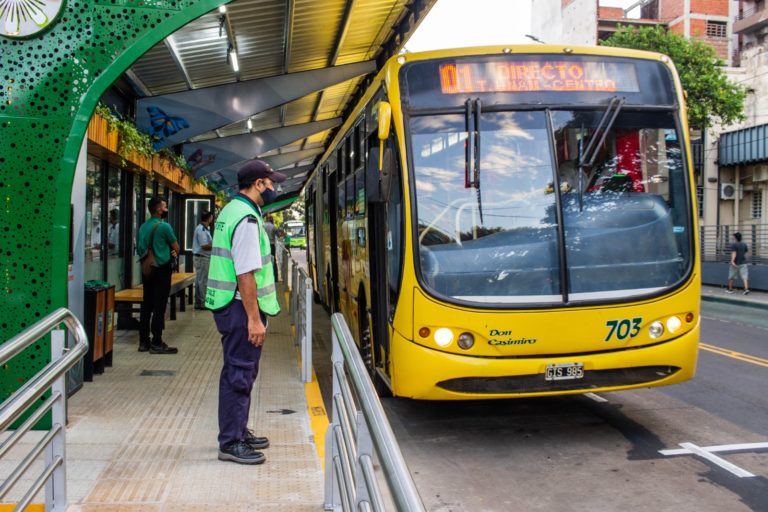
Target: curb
(734, 301)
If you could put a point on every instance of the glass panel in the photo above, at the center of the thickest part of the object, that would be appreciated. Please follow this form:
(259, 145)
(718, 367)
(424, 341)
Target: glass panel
(93, 220)
(498, 242)
(138, 209)
(115, 250)
(626, 217)
(193, 211)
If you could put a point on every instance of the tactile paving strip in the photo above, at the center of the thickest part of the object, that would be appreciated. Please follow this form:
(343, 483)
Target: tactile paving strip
(148, 443)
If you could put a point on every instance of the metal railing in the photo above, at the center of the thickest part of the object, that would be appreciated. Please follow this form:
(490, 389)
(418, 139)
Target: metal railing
(746, 13)
(354, 435)
(715, 242)
(301, 317)
(51, 377)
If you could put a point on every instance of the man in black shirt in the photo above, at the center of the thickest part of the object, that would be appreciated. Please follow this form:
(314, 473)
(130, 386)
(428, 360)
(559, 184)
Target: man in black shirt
(738, 267)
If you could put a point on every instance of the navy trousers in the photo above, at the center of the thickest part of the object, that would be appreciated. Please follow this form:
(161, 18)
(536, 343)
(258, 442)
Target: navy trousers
(241, 365)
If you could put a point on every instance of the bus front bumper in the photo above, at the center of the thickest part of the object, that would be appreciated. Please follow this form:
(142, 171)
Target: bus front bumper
(423, 373)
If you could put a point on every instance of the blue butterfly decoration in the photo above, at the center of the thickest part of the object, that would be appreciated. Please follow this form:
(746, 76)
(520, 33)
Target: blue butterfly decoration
(164, 125)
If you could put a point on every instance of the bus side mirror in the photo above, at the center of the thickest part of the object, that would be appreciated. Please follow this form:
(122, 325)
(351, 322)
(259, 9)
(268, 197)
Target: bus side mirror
(385, 119)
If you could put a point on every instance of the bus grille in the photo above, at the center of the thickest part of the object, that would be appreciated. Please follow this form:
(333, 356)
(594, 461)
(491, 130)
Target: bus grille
(536, 383)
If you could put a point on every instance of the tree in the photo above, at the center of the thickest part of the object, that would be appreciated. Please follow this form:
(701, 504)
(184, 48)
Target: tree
(711, 97)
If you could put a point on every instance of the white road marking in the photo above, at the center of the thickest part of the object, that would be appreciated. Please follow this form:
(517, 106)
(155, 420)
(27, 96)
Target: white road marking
(596, 398)
(718, 448)
(707, 453)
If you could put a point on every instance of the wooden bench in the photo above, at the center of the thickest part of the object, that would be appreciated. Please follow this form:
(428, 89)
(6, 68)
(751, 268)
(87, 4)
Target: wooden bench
(128, 301)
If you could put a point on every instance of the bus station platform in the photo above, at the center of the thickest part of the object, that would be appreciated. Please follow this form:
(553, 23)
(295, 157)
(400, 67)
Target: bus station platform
(142, 436)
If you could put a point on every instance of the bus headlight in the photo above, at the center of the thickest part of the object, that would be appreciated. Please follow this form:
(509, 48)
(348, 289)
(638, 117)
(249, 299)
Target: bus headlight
(656, 329)
(443, 337)
(466, 340)
(673, 324)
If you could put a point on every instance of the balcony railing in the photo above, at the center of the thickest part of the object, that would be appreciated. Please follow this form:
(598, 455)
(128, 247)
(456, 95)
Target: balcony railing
(715, 243)
(746, 13)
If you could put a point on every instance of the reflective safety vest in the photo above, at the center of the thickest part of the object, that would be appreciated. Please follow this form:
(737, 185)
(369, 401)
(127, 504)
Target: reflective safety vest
(222, 280)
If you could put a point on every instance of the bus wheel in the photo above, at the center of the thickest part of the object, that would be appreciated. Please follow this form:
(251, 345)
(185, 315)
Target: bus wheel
(368, 353)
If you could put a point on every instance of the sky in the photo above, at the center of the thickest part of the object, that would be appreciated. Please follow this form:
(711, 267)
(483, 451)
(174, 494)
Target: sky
(459, 23)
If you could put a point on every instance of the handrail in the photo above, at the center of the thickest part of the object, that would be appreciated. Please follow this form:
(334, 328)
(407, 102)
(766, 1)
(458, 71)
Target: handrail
(350, 483)
(50, 377)
(301, 317)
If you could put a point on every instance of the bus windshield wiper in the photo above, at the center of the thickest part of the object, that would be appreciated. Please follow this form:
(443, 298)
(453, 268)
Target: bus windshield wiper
(588, 155)
(472, 112)
(587, 158)
(476, 180)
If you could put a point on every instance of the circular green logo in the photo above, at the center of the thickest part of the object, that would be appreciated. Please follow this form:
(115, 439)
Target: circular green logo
(27, 18)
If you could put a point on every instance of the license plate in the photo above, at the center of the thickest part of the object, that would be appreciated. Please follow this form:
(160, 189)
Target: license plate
(565, 371)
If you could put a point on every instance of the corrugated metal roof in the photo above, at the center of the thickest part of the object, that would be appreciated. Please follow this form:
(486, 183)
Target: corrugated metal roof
(744, 146)
(273, 37)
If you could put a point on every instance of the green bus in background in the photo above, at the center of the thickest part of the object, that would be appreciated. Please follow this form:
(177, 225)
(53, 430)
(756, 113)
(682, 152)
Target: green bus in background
(295, 234)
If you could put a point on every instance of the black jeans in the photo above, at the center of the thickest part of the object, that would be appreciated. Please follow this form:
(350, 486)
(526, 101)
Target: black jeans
(157, 287)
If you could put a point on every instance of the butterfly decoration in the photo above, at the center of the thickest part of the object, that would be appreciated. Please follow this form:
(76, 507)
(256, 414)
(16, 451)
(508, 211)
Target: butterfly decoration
(163, 125)
(198, 160)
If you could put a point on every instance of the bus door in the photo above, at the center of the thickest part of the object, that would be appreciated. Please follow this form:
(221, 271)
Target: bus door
(385, 236)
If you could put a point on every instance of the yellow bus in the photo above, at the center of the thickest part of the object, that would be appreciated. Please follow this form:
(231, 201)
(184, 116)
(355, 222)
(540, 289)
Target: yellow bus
(513, 221)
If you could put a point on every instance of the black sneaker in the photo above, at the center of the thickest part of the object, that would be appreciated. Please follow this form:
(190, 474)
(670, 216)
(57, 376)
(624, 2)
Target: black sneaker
(255, 442)
(240, 452)
(162, 348)
(143, 347)
(746, 292)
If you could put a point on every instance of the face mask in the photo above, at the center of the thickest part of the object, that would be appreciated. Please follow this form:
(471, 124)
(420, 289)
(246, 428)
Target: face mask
(164, 215)
(268, 196)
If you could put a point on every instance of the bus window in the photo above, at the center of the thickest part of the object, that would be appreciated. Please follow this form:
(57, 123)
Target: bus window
(635, 191)
(350, 204)
(360, 193)
(496, 242)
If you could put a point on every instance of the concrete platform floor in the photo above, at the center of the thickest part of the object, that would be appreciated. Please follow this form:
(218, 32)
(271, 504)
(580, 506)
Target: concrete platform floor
(142, 435)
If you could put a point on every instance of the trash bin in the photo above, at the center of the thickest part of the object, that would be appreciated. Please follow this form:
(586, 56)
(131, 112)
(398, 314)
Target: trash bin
(93, 321)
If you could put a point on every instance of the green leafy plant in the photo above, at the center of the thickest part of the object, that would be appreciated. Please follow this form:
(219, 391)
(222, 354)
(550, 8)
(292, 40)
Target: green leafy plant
(131, 140)
(711, 97)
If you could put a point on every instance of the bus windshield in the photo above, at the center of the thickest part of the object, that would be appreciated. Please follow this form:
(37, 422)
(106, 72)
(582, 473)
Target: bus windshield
(536, 224)
(294, 229)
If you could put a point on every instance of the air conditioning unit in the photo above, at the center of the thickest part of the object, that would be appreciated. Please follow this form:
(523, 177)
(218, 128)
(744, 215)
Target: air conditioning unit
(760, 173)
(727, 190)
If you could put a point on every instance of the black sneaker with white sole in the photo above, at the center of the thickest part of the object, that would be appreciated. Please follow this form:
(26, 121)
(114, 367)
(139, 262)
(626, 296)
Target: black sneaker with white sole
(242, 453)
(254, 441)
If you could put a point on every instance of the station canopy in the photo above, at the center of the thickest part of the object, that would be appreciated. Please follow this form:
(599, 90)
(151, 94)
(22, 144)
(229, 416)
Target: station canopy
(271, 79)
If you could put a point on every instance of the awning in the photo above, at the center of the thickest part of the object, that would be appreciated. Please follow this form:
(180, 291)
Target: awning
(744, 146)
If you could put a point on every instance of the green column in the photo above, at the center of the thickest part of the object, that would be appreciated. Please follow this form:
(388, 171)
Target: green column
(50, 83)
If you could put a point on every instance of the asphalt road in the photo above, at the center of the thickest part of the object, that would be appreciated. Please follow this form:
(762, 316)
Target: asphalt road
(599, 453)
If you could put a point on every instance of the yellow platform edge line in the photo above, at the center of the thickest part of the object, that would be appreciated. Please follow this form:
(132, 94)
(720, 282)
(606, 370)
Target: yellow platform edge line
(34, 507)
(318, 417)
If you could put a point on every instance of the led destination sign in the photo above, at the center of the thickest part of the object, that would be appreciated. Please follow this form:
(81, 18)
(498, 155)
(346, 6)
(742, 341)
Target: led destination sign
(531, 76)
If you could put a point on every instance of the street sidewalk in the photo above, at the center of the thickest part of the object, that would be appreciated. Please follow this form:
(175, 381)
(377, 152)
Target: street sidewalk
(755, 299)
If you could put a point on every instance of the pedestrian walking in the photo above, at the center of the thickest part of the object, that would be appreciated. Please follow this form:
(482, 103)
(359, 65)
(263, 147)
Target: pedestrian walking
(738, 268)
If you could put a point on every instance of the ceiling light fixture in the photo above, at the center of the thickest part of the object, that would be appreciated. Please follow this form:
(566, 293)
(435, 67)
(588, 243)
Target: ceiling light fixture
(222, 9)
(249, 124)
(232, 58)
